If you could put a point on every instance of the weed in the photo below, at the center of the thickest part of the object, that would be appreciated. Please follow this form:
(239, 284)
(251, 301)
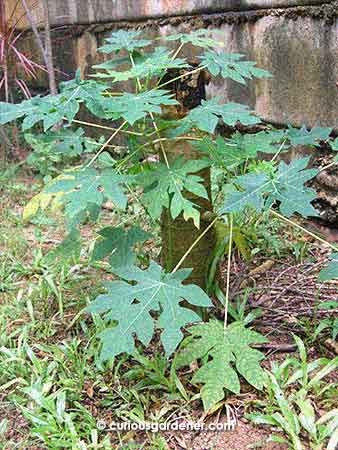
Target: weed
(294, 389)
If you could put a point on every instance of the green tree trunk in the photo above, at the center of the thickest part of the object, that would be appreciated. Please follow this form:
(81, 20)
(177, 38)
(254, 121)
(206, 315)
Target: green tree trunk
(178, 235)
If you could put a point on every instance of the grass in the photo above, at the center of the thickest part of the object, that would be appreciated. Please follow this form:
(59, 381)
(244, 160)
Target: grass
(51, 381)
(53, 388)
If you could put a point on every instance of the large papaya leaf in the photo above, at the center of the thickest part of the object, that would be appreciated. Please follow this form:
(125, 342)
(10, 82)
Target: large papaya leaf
(199, 38)
(252, 186)
(131, 306)
(146, 66)
(164, 188)
(290, 189)
(250, 144)
(206, 116)
(303, 136)
(123, 40)
(224, 353)
(50, 110)
(230, 153)
(132, 107)
(89, 92)
(63, 141)
(118, 243)
(231, 66)
(286, 186)
(81, 189)
(10, 111)
(331, 270)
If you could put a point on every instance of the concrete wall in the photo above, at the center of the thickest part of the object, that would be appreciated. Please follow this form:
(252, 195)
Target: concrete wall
(91, 11)
(298, 45)
(296, 40)
(302, 55)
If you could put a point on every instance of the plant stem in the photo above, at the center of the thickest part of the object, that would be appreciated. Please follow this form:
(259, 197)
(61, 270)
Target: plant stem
(180, 262)
(328, 166)
(133, 64)
(179, 138)
(106, 144)
(177, 51)
(152, 118)
(296, 225)
(49, 50)
(160, 140)
(46, 51)
(227, 292)
(279, 151)
(104, 127)
(181, 76)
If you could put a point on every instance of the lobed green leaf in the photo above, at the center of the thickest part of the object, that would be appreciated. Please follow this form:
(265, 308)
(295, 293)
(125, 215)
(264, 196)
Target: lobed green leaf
(164, 188)
(231, 66)
(124, 40)
(258, 190)
(224, 352)
(206, 116)
(132, 307)
(117, 244)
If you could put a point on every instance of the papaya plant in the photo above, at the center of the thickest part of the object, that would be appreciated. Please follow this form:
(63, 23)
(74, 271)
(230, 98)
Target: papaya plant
(171, 145)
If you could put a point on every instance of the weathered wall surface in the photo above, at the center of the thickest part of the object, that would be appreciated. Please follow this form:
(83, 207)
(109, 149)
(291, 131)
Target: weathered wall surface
(297, 44)
(302, 55)
(91, 11)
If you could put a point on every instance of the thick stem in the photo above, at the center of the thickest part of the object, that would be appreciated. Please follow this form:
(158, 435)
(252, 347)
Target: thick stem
(183, 243)
(193, 245)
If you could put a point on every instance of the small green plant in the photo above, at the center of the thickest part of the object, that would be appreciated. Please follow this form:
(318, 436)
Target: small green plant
(54, 150)
(315, 327)
(293, 388)
(154, 300)
(155, 374)
(54, 426)
(297, 418)
(329, 323)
